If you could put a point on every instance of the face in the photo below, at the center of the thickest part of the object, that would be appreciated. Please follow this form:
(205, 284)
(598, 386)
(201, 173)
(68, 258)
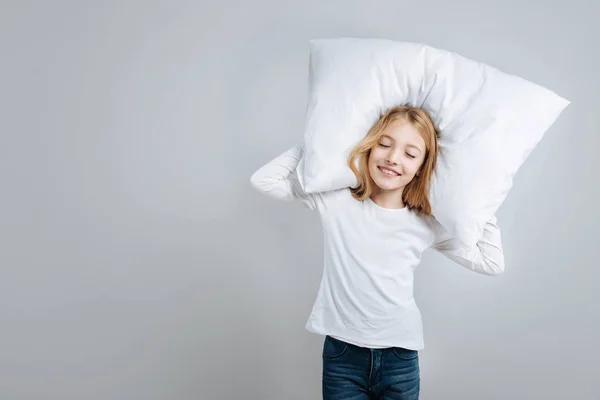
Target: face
(397, 156)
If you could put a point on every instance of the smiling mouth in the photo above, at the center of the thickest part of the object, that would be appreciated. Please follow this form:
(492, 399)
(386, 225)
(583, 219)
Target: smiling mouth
(388, 172)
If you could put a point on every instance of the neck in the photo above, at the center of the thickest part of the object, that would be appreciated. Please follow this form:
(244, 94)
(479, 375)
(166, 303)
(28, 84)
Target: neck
(388, 199)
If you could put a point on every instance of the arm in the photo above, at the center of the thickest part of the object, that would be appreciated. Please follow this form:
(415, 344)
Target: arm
(278, 178)
(486, 258)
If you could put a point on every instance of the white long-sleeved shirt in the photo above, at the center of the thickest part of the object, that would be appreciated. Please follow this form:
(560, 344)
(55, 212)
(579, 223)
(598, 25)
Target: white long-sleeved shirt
(366, 292)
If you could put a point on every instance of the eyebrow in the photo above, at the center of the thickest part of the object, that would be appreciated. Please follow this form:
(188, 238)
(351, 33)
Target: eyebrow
(408, 145)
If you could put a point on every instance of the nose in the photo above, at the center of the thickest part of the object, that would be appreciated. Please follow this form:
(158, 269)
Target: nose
(392, 157)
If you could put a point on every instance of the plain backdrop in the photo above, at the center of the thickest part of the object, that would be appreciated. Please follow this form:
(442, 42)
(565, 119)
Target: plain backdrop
(137, 262)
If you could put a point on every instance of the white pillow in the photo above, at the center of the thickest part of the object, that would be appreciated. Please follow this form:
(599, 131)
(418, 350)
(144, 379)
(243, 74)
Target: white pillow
(490, 121)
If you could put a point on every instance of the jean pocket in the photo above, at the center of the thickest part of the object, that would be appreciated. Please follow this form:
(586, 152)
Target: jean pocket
(404, 354)
(334, 348)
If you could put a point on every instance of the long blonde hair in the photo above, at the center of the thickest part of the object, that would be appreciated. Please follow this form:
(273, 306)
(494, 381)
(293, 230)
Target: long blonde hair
(416, 193)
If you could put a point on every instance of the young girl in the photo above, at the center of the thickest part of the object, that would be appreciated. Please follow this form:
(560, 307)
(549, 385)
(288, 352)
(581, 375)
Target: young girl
(374, 236)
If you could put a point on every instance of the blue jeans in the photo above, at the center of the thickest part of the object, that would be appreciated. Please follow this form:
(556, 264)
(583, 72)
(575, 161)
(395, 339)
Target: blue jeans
(358, 373)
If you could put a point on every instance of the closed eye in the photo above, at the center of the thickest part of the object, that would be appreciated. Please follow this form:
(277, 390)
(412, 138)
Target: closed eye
(410, 155)
(384, 145)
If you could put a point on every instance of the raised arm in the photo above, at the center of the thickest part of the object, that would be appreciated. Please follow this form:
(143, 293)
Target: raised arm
(278, 178)
(486, 258)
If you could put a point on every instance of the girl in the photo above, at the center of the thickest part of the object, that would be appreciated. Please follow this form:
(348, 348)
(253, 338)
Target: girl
(374, 236)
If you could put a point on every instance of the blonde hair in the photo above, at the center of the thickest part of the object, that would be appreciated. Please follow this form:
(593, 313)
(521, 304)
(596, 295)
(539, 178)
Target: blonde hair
(416, 193)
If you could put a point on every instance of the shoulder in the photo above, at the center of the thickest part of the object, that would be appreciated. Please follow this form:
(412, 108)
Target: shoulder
(335, 198)
(338, 202)
(424, 219)
(428, 223)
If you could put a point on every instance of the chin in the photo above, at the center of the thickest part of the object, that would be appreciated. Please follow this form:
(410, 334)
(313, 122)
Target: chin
(385, 186)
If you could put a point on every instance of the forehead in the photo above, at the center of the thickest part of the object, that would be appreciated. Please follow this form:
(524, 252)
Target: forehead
(405, 133)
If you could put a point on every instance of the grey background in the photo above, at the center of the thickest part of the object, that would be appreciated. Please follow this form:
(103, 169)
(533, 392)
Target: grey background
(136, 261)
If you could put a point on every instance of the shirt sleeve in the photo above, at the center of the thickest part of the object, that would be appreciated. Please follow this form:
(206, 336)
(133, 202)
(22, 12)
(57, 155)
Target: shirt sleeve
(278, 179)
(486, 257)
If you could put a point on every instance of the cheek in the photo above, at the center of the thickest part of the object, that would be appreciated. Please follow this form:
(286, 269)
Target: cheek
(414, 166)
(377, 154)
(373, 157)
